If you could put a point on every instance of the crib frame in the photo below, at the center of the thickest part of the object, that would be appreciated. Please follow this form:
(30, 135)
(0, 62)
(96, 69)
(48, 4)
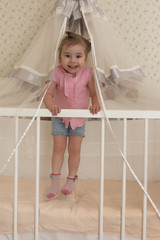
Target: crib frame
(114, 114)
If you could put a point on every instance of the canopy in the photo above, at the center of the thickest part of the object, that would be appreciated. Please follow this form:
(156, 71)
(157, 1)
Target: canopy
(122, 82)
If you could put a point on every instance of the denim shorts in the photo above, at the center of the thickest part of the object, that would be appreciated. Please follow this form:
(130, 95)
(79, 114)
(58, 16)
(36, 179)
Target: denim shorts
(58, 128)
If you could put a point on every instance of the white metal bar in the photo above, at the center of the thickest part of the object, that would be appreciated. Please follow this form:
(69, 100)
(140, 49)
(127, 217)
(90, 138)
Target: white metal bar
(37, 179)
(16, 181)
(102, 179)
(29, 112)
(124, 180)
(144, 223)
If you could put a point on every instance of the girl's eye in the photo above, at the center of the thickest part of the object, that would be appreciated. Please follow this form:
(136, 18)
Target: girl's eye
(78, 56)
(67, 55)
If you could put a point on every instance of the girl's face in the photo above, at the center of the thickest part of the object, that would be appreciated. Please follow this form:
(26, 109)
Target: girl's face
(73, 58)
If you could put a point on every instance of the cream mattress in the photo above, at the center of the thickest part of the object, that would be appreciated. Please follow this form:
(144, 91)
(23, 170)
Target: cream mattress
(78, 213)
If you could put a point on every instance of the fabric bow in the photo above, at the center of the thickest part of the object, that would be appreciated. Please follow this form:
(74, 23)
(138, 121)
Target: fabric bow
(72, 8)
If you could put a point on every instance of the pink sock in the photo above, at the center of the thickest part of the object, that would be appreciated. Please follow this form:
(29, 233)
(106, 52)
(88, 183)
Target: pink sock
(53, 190)
(69, 185)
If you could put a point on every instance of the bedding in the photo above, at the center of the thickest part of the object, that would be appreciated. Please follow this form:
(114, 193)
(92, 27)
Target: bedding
(78, 213)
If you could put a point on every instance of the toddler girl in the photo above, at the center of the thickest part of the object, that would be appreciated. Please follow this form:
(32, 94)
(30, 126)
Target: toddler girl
(72, 85)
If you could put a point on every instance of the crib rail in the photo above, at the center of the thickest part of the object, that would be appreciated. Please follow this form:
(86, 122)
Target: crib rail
(128, 114)
(114, 114)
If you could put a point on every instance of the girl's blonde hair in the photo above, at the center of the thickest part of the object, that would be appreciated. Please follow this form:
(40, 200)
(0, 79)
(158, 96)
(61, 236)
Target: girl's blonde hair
(73, 39)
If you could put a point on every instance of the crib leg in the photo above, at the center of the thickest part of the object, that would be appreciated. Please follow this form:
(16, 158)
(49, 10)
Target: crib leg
(37, 180)
(16, 181)
(102, 179)
(124, 180)
(144, 222)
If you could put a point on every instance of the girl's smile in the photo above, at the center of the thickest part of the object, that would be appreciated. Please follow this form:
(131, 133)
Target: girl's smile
(73, 58)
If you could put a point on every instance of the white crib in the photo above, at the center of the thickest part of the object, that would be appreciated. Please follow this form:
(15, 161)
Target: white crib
(123, 117)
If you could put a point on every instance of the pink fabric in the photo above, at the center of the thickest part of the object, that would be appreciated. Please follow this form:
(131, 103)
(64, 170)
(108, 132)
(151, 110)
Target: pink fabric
(72, 92)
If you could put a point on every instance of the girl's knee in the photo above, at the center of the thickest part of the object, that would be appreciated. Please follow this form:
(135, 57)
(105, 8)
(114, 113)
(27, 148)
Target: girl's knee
(60, 143)
(59, 148)
(74, 149)
(74, 145)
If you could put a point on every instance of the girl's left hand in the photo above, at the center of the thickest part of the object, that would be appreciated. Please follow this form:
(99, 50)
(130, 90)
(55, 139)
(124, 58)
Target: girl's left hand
(94, 109)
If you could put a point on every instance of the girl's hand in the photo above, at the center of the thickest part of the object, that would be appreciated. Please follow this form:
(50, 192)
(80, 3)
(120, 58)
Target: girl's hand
(55, 109)
(48, 100)
(94, 109)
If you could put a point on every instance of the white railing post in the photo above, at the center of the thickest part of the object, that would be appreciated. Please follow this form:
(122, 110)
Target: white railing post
(145, 181)
(16, 181)
(102, 179)
(124, 180)
(37, 180)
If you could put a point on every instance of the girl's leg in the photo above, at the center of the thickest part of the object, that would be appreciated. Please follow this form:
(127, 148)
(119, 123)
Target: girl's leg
(60, 142)
(74, 149)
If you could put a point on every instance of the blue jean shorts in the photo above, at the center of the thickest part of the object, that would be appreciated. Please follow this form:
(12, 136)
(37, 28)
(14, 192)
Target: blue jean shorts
(58, 128)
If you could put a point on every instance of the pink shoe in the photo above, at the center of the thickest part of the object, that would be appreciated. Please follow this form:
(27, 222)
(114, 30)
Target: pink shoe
(69, 185)
(50, 195)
